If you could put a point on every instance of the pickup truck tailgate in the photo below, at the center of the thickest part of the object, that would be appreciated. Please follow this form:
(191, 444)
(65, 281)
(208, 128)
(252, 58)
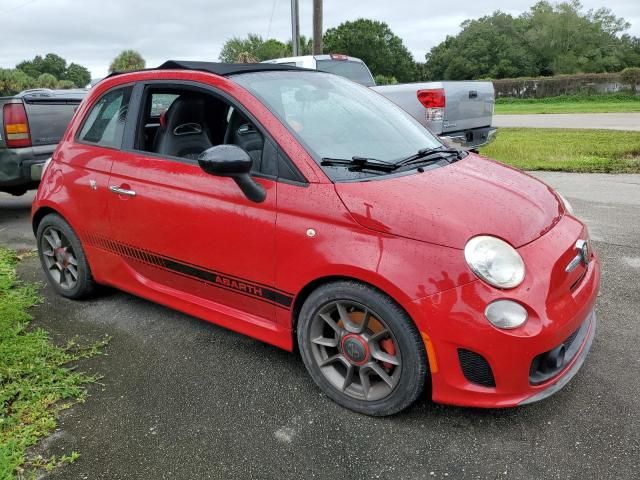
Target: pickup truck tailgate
(48, 119)
(468, 105)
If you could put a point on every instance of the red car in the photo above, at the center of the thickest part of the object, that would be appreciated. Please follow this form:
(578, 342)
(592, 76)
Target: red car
(303, 209)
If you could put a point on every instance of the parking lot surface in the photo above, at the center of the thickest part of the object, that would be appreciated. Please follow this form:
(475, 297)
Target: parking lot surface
(184, 399)
(605, 121)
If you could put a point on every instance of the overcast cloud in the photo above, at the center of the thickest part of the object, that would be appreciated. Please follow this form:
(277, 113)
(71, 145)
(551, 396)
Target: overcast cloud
(93, 32)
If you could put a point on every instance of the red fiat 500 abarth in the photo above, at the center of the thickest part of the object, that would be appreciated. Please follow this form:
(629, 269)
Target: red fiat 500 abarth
(298, 207)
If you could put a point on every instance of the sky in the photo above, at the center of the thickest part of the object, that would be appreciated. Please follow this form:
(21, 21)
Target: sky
(93, 32)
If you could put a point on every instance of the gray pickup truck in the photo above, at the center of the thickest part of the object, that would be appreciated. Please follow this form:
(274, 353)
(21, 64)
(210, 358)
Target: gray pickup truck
(460, 112)
(31, 125)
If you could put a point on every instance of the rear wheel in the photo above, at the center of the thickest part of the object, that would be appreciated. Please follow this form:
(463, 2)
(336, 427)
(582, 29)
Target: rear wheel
(63, 259)
(361, 348)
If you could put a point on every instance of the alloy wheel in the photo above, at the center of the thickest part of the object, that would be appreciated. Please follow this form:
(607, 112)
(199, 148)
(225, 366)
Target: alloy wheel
(59, 258)
(355, 350)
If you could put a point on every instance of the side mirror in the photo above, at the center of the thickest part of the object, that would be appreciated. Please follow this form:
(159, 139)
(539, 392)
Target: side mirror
(232, 161)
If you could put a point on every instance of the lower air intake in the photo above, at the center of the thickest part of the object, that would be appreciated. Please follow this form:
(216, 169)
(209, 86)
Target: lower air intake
(475, 368)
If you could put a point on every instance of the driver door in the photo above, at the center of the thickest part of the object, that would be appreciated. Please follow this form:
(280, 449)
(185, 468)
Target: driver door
(184, 232)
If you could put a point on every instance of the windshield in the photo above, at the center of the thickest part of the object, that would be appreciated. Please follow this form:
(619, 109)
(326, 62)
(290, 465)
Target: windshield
(336, 118)
(355, 71)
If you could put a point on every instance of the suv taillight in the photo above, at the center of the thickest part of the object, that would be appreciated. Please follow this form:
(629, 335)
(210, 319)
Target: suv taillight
(16, 126)
(434, 101)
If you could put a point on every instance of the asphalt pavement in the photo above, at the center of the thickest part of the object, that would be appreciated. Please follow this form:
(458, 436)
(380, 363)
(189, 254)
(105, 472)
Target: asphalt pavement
(601, 121)
(184, 399)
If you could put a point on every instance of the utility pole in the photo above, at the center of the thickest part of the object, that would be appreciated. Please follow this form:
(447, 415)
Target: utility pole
(295, 28)
(317, 27)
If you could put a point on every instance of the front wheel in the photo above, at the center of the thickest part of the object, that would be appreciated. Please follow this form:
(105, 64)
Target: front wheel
(361, 348)
(63, 259)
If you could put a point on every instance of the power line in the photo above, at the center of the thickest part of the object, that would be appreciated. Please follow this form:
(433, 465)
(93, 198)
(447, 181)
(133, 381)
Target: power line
(18, 6)
(273, 10)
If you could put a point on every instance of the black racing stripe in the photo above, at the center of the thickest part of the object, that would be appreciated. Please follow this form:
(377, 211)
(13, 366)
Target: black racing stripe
(216, 279)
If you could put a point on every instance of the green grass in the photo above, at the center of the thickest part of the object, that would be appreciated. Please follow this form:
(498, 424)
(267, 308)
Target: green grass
(567, 150)
(609, 103)
(35, 380)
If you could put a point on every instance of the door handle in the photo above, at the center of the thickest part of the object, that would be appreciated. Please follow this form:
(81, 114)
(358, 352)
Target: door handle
(122, 191)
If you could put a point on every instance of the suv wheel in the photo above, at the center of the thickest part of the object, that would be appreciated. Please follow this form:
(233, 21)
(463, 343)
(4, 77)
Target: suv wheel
(361, 348)
(63, 259)
(16, 192)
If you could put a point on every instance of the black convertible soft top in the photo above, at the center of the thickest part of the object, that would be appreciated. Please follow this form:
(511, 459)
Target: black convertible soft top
(223, 69)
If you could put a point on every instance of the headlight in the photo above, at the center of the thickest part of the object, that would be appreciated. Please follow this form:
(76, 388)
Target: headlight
(565, 202)
(494, 261)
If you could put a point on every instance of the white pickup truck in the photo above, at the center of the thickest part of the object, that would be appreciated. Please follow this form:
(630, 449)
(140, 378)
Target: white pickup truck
(460, 112)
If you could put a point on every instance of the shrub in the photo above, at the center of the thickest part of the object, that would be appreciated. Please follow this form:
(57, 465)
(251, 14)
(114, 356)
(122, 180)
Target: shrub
(13, 81)
(65, 84)
(631, 76)
(46, 80)
(385, 80)
(540, 87)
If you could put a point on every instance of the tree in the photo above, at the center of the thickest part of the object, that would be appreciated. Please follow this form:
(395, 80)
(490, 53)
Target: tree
(254, 46)
(78, 75)
(491, 46)
(566, 40)
(33, 68)
(306, 46)
(46, 80)
(52, 64)
(375, 44)
(548, 39)
(56, 66)
(127, 61)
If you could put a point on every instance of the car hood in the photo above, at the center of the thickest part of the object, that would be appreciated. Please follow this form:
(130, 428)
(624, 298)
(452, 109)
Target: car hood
(449, 205)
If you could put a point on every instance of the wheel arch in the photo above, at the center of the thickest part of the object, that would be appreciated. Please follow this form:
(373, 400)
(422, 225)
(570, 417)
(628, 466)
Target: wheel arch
(42, 212)
(313, 285)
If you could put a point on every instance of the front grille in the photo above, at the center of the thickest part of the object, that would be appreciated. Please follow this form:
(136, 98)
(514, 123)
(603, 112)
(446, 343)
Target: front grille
(475, 368)
(548, 364)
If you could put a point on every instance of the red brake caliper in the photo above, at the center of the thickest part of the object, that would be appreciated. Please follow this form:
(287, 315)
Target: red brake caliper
(388, 346)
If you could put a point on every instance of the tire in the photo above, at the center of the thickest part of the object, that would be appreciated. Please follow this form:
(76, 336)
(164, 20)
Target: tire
(16, 192)
(59, 262)
(349, 326)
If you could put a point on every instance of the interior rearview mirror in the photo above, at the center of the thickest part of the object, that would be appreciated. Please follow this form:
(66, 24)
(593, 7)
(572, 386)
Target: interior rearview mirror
(234, 162)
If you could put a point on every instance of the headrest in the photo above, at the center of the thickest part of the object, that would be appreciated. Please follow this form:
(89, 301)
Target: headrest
(186, 109)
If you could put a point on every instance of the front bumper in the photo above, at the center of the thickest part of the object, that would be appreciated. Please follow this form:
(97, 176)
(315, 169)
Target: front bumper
(459, 338)
(571, 371)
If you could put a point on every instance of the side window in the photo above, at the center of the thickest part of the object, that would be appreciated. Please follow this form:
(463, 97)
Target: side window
(182, 122)
(160, 103)
(104, 125)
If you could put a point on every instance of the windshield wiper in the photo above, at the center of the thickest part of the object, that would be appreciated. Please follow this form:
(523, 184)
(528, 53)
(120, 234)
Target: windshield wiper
(360, 163)
(422, 156)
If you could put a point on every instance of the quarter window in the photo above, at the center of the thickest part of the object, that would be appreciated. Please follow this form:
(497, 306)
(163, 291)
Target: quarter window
(104, 125)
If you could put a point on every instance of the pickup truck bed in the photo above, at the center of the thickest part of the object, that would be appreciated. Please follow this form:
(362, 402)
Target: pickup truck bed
(31, 125)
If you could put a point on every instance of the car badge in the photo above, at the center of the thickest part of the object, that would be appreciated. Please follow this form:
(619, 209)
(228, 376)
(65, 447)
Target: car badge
(583, 256)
